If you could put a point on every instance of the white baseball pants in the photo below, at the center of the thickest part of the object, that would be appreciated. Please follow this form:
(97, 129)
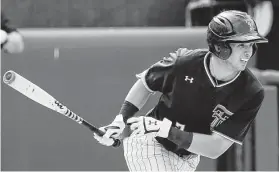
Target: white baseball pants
(144, 153)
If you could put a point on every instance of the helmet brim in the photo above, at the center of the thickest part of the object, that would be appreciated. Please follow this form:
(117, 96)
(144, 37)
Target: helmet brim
(256, 38)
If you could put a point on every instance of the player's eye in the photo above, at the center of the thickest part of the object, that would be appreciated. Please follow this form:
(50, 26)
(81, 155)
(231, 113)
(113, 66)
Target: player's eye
(247, 45)
(241, 45)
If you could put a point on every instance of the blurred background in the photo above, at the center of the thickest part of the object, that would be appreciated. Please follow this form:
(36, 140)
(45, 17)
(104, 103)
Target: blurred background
(95, 13)
(86, 54)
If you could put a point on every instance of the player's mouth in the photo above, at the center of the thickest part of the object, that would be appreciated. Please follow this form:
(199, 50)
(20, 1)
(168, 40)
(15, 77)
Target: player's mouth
(244, 60)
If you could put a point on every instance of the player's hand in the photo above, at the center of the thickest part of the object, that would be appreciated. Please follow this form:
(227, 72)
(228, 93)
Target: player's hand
(105, 139)
(142, 125)
(14, 43)
(112, 130)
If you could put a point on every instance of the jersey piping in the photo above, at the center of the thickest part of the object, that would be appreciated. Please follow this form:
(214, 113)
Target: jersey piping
(210, 77)
(227, 137)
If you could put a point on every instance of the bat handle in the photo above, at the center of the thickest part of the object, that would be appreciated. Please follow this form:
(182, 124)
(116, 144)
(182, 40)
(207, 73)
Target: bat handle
(80, 120)
(116, 143)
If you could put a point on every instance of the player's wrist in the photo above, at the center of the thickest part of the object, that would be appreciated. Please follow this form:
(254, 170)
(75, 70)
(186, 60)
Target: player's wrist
(182, 139)
(165, 127)
(118, 122)
(119, 118)
(128, 110)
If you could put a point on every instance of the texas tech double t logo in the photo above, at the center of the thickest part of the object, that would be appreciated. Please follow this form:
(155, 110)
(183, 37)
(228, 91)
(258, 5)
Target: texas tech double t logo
(220, 114)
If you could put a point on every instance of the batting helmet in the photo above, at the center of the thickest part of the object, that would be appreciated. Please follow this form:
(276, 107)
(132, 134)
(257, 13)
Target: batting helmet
(232, 27)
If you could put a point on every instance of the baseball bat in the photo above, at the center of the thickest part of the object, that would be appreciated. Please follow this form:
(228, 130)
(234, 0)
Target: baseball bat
(37, 94)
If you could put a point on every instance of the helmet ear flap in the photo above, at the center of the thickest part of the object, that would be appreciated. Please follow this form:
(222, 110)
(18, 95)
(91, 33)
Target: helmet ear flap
(223, 50)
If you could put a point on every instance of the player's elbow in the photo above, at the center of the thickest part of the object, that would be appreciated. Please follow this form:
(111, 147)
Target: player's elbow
(221, 145)
(216, 152)
(210, 146)
(138, 94)
(213, 151)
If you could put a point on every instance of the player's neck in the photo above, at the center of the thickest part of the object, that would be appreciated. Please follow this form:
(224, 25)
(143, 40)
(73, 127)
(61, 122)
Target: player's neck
(220, 70)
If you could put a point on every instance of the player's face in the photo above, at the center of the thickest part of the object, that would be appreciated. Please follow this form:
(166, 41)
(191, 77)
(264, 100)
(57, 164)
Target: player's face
(241, 53)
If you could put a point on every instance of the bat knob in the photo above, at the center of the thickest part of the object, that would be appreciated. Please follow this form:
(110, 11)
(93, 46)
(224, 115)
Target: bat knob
(9, 77)
(116, 143)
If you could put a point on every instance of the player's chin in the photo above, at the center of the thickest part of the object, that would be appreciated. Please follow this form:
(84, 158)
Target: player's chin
(240, 67)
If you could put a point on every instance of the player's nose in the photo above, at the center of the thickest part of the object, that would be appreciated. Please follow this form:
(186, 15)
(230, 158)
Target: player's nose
(248, 52)
(247, 55)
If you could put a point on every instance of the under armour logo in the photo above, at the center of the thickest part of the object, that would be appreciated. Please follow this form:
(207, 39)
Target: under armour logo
(191, 80)
(151, 122)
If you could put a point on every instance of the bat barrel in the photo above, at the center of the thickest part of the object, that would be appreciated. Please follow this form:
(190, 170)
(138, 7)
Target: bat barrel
(9, 77)
(40, 96)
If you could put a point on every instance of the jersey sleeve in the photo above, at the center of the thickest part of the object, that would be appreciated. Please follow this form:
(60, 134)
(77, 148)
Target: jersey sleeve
(160, 76)
(236, 127)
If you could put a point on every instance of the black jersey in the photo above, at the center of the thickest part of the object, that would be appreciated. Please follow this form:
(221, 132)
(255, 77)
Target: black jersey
(193, 101)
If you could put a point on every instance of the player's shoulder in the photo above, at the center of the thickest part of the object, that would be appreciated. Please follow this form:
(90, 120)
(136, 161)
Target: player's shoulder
(253, 85)
(181, 57)
(252, 79)
(185, 55)
(185, 52)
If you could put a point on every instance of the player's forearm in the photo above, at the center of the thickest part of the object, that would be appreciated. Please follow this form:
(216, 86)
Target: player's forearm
(211, 146)
(135, 100)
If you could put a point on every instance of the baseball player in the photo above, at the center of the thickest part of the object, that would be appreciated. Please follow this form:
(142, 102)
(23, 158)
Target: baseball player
(11, 39)
(209, 100)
